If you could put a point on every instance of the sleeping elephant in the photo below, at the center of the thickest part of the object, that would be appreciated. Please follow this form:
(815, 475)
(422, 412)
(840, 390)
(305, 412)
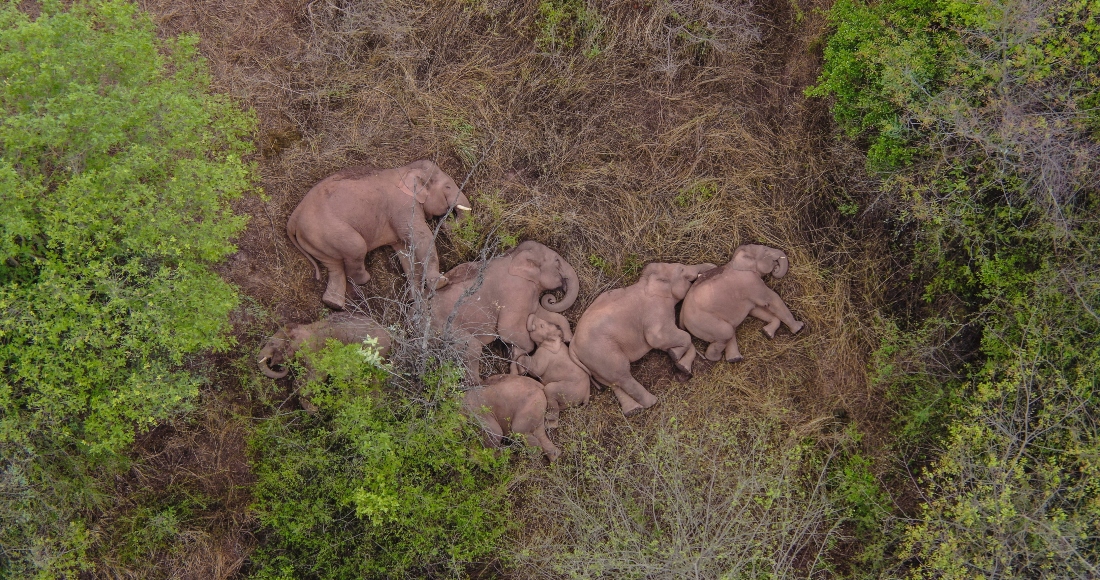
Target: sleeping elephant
(487, 301)
(358, 209)
(345, 327)
(511, 404)
(622, 325)
(719, 302)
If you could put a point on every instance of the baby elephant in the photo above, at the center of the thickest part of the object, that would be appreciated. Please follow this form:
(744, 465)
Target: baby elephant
(565, 382)
(719, 302)
(343, 326)
(511, 404)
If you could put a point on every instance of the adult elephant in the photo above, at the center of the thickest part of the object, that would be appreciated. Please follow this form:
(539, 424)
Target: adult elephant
(493, 300)
(359, 209)
(717, 304)
(624, 324)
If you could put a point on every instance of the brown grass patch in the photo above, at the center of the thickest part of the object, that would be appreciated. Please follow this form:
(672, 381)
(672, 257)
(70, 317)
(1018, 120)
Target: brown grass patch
(673, 143)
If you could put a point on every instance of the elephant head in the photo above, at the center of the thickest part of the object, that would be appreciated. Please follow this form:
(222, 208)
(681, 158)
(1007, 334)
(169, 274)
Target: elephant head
(670, 280)
(543, 266)
(434, 190)
(763, 259)
(275, 353)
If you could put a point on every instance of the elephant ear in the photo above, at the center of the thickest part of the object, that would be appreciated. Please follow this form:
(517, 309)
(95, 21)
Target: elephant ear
(525, 266)
(658, 284)
(414, 185)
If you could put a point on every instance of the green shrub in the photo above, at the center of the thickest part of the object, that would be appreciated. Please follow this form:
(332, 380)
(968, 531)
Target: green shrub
(978, 118)
(117, 166)
(374, 486)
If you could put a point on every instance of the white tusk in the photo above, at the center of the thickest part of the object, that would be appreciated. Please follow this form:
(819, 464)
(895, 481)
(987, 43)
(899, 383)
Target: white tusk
(264, 359)
(462, 207)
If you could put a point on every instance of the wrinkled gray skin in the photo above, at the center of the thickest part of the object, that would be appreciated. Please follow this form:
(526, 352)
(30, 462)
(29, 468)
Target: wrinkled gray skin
(622, 325)
(511, 404)
(719, 302)
(565, 382)
(510, 289)
(359, 209)
(345, 327)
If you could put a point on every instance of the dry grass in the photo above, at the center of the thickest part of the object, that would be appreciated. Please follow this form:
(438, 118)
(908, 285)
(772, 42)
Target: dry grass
(670, 144)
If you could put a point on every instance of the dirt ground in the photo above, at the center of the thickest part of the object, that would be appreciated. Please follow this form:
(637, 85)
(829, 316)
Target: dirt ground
(630, 137)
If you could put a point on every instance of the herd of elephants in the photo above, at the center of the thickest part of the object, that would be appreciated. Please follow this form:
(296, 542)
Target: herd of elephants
(356, 210)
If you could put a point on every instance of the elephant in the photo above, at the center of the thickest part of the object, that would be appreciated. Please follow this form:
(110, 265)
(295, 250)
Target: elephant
(719, 302)
(566, 382)
(343, 326)
(486, 301)
(511, 404)
(358, 209)
(624, 324)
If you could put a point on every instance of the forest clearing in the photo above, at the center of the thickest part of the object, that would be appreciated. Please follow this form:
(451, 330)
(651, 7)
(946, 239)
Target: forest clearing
(928, 167)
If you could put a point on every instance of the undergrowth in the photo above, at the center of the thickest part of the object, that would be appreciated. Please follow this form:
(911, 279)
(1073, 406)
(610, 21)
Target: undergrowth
(117, 166)
(374, 485)
(980, 120)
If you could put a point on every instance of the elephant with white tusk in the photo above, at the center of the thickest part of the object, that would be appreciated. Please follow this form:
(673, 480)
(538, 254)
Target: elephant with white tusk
(344, 327)
(511, 404)
(622, 325)
(493, 300)
(721, 300)
(359, 209)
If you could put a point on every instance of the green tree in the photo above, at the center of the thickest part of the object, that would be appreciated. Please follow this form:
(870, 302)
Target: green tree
(117, 166)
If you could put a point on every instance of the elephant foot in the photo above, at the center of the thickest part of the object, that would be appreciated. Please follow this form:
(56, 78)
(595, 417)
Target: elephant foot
(552, 420)
(441, 282)
(797, 328)
(334, 300)
(627, 403)
(714, 351)
(735, 359)
(769, 332)
(360, 278)
(684, 367)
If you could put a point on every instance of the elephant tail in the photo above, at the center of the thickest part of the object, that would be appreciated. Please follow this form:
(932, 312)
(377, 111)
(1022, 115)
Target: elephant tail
(294, 240)
(577, 361)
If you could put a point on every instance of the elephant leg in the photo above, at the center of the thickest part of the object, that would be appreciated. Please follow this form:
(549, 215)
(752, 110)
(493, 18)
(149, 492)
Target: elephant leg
(543, 441)
(539, 438)
(676, 342)
(553, 404)
(632, 396)
(491, 433)
(775, 306)
(403, 258)
(472, 357)
(719, 329)
(356, 269)
(337, 283)
(732, 352)
(426, 258)
(771, 321)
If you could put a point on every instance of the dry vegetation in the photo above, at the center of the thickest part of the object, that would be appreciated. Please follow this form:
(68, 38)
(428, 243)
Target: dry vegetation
(620, 133)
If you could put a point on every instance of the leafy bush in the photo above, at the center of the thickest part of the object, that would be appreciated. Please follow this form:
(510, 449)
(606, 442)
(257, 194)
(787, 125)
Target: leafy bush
(735, 499)
(978, 117)
(116, 169)
(374, 485)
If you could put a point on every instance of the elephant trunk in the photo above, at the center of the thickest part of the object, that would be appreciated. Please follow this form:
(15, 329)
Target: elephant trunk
(781, 266)
(270, 372)
(571, 285)
(461, 211)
